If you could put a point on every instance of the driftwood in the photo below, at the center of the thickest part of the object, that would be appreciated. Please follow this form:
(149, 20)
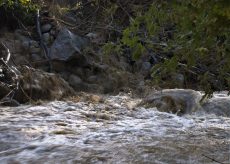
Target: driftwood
(9, 79)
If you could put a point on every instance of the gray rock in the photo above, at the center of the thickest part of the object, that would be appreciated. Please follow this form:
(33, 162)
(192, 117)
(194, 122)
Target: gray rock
(34, 43)
(52, 32)
(46, 37)
(178, 79)
(35, 50)
(68, 46)
(92, 79)
(26, 45)
(180, 101)
(100, 67)
(146, 66)
(75, 81)
(145, 69)
(219, 106)
(46, 28)
(36, 57)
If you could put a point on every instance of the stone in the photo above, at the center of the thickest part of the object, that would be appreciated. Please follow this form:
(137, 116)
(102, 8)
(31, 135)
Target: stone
(100, 67)
(36, 57)
(68, 46)
(146, 66)
(46, 28)
(76, 82)
(219, 106)
(145, 69)
(92, 79)
(178, 80)
(26, 45)
(179, 101)
(52, 32)
(34, 50)
(46, 37)
(34, 43)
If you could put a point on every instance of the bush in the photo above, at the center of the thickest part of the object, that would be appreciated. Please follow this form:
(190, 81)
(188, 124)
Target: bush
(195, 32)
(15, 13)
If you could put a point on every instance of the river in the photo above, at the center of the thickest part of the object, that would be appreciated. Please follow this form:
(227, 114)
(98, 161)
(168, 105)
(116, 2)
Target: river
(111, 131)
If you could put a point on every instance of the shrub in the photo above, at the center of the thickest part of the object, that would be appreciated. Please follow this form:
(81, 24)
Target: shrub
(17, 12)
(196, 32)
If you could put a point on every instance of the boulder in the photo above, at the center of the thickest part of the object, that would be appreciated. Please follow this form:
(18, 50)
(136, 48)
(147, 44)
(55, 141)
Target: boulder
(68, 46)
(180, 101)
(219, 106)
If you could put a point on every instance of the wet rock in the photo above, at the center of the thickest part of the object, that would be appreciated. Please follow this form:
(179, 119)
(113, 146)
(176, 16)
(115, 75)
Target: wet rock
(178, 101)
(68, 46)
(218, 105)
(38, 85)
(46, 28)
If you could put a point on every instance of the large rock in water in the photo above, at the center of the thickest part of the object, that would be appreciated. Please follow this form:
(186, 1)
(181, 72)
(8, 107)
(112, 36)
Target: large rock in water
(178, 101)
(68, 46)
(218, 105)
(38, 85)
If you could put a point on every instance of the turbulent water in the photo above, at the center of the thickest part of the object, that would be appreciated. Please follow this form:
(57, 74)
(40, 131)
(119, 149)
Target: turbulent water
(110, 132)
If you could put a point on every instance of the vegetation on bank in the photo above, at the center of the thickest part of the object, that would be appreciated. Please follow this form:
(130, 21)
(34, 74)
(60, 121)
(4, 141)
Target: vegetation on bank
(183, 37)
(194, 35)
(17, 13)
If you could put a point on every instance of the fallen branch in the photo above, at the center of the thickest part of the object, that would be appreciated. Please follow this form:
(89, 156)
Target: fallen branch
(212, 159)
(9, 77)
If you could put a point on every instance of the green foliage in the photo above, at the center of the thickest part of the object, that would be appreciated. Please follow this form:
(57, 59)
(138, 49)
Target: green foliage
(111, 48)
(195, 31)
(21, 10)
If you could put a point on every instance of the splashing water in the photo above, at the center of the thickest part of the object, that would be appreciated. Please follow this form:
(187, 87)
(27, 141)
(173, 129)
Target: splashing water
(110, 132)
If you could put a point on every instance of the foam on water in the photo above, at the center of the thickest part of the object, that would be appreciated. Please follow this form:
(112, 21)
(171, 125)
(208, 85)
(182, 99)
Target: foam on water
(110, 132)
